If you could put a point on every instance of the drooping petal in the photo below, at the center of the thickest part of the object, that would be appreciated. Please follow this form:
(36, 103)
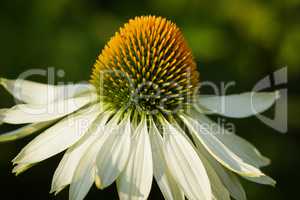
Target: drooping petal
(218, 150)
(66, 168)
(185, 165)
(31, 113)
(239, 146)
(38, 93)
(239, 105)
(23, 131)
(229, 179)
(113, 155)
(2, 111)
(18, 169)
(85, 173)
(135, 181)
(58, 137)
(265, 180)
(219, 191)
(165, 181)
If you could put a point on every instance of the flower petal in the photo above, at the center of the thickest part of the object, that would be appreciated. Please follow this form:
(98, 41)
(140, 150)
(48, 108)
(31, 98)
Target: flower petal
(218, 150)
(2, 111)
(85, 172)
(18, 169)
(239, 105)
(30, 113)
(24, 131)
(58, 137)
(113, 155)
(219, 191)
(185, 165)
(64, 173)
(67, 166)
(135, 181)
(265, 180)
(230, 181)
(239, 146)
(43, 93)
(242, 148)
(164, 179)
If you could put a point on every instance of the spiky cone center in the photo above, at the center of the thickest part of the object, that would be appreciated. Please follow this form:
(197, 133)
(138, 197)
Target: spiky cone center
(146, 66)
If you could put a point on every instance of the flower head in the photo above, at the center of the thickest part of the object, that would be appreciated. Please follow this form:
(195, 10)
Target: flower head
(141, 117)
(147, 66)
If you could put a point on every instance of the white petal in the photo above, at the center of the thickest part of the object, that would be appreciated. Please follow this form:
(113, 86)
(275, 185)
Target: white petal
(243, 149)
(21, 168)
(218, 150)
(23, 131)
(113, 155)
(165, 181)
(84, 175)
(230, 181)
(265, 180)
(58, 137)
(185, 165)
(85, 172)
(30, 113)
(66, 168)
(2, 111)
(240, 105)
(38, 93)
(239, 146)
(64, 172)
(135, 181)
(219, 191)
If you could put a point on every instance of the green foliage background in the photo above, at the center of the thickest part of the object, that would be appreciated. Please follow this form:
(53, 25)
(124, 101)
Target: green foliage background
(233, 40)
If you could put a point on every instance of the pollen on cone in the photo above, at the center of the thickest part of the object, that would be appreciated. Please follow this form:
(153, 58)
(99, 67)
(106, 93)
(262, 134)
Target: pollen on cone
(146, 64)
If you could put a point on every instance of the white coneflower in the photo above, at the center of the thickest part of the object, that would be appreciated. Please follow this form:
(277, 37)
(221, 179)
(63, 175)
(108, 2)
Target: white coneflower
(141, 117)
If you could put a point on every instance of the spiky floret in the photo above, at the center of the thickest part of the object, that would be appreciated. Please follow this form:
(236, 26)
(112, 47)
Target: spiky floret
(147, 65)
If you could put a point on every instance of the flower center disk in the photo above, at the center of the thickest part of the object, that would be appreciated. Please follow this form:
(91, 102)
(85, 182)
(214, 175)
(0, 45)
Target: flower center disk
(147, 66)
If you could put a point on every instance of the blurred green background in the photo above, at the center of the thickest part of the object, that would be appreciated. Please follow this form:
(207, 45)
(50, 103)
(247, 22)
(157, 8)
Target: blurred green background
(232, 40)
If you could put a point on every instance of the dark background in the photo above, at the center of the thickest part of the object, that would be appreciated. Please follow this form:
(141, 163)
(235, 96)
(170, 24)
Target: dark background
(232, 40)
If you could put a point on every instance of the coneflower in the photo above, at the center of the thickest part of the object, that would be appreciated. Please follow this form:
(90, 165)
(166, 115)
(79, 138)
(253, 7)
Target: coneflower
(140, 117)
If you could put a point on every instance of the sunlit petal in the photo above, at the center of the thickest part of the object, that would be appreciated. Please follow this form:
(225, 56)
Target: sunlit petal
(43, 93)
(185, 165)
(58, 137)
(218, 150)
(164, 179)
(113, 155)
(24, 131)
(136, 180)
(238, 105)
(30, 113)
